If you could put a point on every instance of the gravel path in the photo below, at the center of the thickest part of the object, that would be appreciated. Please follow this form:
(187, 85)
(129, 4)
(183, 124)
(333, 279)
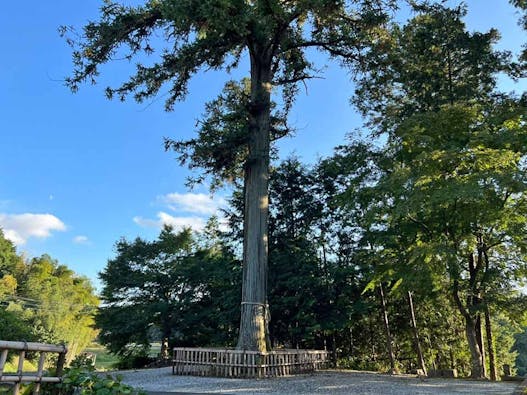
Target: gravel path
(327, 382)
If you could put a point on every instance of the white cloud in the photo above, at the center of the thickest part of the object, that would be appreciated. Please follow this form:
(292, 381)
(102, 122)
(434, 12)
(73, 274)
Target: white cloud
(196, 223)
(198, 203)
(198, 206)
(81, 240)
(20, 227)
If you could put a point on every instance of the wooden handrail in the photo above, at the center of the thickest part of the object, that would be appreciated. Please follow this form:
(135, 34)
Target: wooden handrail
(30, 346)
(30, 377)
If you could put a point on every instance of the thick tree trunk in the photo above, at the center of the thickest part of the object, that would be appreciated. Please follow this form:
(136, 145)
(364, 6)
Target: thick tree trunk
(477, 371)
(481, 344)
(415, 331)
(476, 359)
(490, 346)
(389, 339)
(254, 334)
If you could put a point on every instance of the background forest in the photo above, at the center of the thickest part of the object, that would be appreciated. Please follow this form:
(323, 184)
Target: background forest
(405, 249)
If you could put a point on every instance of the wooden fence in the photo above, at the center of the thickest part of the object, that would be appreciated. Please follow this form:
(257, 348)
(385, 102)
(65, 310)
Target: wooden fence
(246, 364)
(22, 348)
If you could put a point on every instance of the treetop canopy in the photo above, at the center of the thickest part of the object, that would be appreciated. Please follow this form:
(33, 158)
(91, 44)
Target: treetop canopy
(213, 34)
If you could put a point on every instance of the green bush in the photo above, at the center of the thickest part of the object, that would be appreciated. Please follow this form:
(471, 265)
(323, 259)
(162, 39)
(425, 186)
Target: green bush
(80, 379)
(86, 381)
(361, 364)
(134, 362)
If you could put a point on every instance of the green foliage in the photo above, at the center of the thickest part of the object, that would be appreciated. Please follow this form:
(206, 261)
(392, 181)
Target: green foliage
(362, 364)
(315, 279)
(169, 288)
(441, 206)
(505, 331)
(429, 62)
(294, 270)
(41, 300)
(520, 346)
(62, 305)
(13, 328)
(522, 4)
(135, 360)
(10, 262)
(215, 35)
(81, 378)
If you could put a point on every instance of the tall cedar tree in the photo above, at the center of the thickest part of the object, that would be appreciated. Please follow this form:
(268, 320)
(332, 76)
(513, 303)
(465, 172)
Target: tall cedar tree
(215, 34)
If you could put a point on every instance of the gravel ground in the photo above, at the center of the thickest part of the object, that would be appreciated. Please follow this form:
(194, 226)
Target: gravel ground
(326, 382)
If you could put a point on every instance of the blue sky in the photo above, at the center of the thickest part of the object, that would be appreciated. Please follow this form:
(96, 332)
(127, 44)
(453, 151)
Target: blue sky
(77, 171)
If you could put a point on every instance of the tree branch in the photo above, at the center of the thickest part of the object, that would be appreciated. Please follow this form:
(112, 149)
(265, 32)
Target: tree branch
(417, 222)
(296, 79)
(455, 293)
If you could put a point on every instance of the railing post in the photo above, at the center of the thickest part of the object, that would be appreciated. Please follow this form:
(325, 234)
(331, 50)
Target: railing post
(40, 372)
(20, 370)
(60, 361)
(3, 359)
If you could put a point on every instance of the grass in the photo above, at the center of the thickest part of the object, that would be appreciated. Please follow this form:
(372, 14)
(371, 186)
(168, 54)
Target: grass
(155, 349)
(103, 359)
(106, 361)
(12, 366)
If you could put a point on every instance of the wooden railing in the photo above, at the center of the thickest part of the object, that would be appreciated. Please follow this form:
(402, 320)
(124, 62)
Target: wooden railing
(247, 364)
(37, 377)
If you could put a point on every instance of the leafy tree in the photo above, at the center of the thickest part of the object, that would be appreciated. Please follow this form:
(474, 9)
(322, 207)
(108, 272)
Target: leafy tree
(295, 272)
(505, 330)
(314, 280)
(169, 286)
(215, 35)
(139, 288)
(10, 261)
(445, 197)
(41, 300)
(13, 328)
(453, 201)
(522, 5)
(59, 305)
(520, 346)
(429, 62)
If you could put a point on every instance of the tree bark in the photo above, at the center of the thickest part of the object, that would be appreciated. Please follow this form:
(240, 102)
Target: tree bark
(254, 333)
(490, 346)
(481, 344)
(389, 339)
(415, 331)
(477, 371)
(488, 324)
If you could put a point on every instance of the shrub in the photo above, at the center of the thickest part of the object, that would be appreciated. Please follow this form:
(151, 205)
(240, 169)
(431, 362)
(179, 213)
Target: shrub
(81, 378)
(86, 381)
(134, 362)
